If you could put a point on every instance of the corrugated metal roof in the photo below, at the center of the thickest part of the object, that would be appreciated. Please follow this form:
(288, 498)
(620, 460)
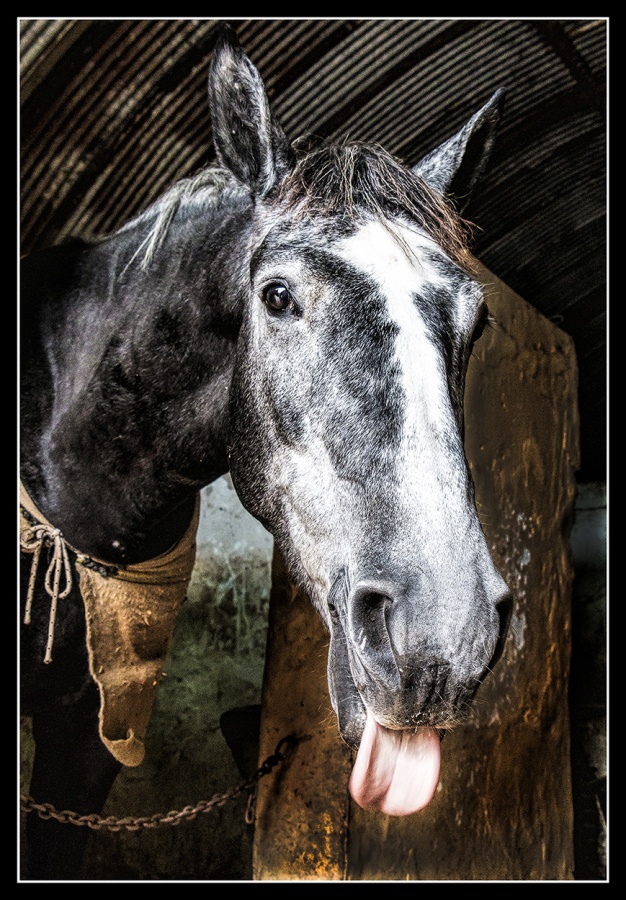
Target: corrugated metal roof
(114, 110)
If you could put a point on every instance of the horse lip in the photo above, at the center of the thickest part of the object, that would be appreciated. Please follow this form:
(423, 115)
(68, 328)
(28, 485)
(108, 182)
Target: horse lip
(504, 608)
(347, 700)
(345, 697)
(350, 700)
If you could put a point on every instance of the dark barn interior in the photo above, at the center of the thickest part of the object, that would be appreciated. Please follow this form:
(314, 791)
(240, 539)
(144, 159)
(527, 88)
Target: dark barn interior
(113, 111)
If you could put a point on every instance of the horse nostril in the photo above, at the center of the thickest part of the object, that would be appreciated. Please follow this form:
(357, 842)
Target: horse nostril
(373, 596)
(337, 594)
(368, 608)
(372, 610)
(374, 600)
(504, 609)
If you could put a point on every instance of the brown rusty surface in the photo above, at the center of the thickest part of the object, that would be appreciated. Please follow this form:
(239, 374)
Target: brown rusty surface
(503, 809)
(302, 811)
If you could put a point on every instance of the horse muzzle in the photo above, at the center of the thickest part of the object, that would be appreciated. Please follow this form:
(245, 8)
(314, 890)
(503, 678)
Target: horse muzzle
(405, 659)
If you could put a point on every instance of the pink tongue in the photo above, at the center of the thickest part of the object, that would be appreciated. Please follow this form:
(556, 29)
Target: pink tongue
(396, 772)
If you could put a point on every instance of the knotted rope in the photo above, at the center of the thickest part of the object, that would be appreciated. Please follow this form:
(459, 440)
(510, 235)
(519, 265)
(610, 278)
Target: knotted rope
(130, 614)
(33, 538)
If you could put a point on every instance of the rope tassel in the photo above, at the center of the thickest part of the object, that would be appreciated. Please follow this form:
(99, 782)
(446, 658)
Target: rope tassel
(130, 614)
(32, 540)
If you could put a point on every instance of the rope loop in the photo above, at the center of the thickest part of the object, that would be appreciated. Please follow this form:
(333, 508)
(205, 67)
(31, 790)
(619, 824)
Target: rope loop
(32, 540)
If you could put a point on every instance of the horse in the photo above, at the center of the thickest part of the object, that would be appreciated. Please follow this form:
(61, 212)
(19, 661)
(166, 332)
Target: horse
(299, 314)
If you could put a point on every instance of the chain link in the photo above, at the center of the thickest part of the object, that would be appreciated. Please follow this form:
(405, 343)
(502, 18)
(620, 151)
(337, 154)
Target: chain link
(283, 751)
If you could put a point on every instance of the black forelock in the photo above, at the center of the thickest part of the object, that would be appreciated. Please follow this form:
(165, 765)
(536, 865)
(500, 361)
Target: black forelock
(352, 181)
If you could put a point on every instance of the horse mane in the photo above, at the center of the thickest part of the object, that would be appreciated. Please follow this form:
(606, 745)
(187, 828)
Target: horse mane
(206, 187)
(354, 180)
(348, 181)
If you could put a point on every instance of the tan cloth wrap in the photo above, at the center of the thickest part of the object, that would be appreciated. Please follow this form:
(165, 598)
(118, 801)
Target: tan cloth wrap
(130, 623)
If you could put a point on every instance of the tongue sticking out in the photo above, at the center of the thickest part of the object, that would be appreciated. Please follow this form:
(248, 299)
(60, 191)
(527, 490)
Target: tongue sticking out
(396, 772)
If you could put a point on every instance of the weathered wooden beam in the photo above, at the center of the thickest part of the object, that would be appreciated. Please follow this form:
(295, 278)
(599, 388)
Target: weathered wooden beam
(301, 824)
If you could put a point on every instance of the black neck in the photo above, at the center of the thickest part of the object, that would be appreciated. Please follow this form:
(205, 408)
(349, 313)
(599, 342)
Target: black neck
(125, 383)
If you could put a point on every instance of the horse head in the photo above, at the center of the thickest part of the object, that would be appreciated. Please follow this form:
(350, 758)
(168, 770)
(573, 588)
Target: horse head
(346, 420)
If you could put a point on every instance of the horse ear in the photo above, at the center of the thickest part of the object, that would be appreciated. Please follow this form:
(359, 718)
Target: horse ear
(248, 140)
(457, 164)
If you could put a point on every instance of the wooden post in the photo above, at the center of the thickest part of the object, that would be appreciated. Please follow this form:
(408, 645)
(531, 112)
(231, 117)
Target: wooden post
(503, 809)
(301, 823)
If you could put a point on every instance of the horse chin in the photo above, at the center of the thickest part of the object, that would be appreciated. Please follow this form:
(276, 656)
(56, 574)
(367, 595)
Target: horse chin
(404, 714)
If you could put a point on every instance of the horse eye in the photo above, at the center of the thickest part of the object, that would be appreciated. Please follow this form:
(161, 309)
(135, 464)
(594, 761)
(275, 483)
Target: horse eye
(480, 326)
(278, 298)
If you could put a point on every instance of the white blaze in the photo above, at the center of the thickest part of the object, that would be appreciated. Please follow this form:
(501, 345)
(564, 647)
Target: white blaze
(397, 772)
(398, 259)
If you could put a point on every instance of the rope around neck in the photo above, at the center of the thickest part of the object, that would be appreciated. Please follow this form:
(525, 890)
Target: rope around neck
(32, 540)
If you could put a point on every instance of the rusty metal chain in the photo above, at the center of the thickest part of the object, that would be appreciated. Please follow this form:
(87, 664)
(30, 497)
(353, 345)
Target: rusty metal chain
(284, 749)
